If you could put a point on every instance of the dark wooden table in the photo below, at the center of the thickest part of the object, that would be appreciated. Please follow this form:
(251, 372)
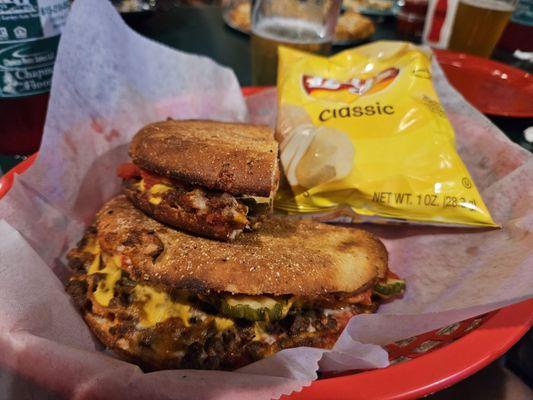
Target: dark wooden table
(203, 31)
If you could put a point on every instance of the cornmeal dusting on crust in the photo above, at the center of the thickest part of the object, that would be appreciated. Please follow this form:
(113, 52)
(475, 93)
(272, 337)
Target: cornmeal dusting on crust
(232, 157)
(150, 293)
(277, 260)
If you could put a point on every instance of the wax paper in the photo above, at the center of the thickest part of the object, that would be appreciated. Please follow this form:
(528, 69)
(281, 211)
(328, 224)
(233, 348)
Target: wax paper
(108, 82)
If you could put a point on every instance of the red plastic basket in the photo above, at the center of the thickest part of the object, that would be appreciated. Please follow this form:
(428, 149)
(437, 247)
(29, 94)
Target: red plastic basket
(420, 365)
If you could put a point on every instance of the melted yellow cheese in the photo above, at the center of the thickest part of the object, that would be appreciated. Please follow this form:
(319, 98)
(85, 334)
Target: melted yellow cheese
(258, 331)
(92, 247)
(261, 334)
(223, 323)
(105, 289)
(158, 307)
(160, 188)
(157, 190)
(254, 302)
(95, 265)
(140, 185)
(155, 200)
(288, 306)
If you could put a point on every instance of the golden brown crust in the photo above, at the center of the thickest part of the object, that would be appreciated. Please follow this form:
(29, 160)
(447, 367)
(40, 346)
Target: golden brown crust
(288, 257)
(232, 157)
(100, 326)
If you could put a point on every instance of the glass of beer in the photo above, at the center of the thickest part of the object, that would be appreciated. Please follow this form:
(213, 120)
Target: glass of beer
(479, 24)
(308, 25)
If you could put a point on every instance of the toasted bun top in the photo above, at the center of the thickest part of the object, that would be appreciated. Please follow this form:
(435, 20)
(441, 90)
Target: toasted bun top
(287, 256)
(232, 157)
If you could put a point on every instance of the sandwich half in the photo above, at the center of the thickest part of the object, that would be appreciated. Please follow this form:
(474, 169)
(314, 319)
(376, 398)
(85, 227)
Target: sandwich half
(166, 299)
(207, 177)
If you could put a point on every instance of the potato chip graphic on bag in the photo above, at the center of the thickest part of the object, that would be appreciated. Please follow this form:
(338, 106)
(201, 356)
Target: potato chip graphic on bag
(316, 155)
(364, 131)
(290, 116)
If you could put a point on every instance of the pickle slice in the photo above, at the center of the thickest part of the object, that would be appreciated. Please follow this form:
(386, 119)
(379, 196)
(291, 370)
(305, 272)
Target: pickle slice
(391, 287)
(254, 308)
(257, 205)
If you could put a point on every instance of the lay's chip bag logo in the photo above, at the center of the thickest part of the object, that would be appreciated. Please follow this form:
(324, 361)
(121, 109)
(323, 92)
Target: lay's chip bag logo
(363, 136)
(347, 91)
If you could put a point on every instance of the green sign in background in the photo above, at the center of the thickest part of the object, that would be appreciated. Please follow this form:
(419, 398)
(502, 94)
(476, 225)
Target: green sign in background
(27, 50)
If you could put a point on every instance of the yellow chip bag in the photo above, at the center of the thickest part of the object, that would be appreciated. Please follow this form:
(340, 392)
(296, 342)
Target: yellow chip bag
(362, 134)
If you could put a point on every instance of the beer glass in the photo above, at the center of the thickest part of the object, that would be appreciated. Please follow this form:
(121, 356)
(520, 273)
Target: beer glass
(125, 6)
(307, 25)
(479, 24)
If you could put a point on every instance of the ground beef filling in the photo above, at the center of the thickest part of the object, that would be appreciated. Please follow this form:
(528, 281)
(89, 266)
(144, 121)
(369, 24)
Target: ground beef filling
(200, 337)
(200, 342)
(214, 207)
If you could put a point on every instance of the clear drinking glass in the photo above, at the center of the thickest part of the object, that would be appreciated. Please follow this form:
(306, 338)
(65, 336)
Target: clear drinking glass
(126, 6)
(479, 24)
(307, 25)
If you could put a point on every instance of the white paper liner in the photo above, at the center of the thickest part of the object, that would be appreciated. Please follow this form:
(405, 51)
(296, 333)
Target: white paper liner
(108, 82)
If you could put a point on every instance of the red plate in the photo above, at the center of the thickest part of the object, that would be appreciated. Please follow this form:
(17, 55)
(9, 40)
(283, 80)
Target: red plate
(492, 87)
(427, 373)
(475, 344)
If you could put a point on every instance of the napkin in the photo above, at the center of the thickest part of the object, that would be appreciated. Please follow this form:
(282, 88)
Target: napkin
(108, 82)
